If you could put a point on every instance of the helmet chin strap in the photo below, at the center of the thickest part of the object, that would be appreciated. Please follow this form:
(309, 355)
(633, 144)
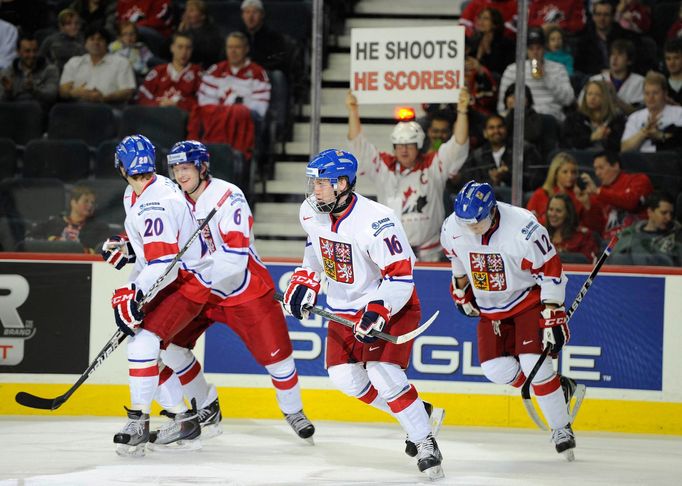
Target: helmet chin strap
(341, 206)
(201, 179)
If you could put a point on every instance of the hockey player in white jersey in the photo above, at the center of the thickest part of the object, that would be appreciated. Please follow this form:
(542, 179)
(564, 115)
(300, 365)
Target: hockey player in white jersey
(409, 182)
(158, 221)
(506, 272)
(241, 294)
(362, 248)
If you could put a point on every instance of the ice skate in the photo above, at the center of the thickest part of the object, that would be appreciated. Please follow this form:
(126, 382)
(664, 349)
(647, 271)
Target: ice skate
(572, 390)
(301, 425)
(436, 417)
(134, 434)
(429, 458)
(564, 441)
(181, 432)
(209, 419)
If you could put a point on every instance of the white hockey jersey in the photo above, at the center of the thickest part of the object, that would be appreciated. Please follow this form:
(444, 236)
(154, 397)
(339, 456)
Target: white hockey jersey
(415, 194)
(364, 253)
(159, 223)
(511, 267)
(238, 273)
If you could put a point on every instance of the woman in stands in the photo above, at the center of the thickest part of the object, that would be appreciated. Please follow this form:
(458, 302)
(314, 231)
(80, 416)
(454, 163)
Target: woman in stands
(561, 179)
(567, 235)
(597, 124)
(489, 45)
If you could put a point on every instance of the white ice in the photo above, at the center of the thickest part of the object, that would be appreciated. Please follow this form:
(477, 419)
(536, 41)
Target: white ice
(79, 451)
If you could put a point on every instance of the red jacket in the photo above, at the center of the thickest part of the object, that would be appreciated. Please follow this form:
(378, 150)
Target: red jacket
(155, 14)
(591, 218)
(621, 203)
(164, 82)
(581, 241)
(568, 14)
(508, 8)
(231, 124)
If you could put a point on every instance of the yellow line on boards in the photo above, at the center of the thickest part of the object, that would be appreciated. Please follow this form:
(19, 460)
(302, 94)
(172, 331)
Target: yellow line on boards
(468, 410)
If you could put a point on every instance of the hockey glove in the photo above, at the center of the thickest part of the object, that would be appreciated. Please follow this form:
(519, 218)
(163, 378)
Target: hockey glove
(301, 294)
(375, 318)
(464, 299)
(118, 251)
(127, 311)
(554, 325)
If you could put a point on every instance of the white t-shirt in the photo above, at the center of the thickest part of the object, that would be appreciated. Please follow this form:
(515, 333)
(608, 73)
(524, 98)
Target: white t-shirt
(113, 73)
(671, 115)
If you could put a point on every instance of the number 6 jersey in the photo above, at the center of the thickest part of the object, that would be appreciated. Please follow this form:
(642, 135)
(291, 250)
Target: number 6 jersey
(364, 253)
(511, 267)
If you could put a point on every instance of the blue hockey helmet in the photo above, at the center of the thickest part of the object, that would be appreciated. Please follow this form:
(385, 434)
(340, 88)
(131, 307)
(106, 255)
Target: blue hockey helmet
(474, 202)
(331, 165)
(136, 155)
(189, 151)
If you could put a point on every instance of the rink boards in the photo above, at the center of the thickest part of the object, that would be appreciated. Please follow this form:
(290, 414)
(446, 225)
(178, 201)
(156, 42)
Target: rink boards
(625, 346)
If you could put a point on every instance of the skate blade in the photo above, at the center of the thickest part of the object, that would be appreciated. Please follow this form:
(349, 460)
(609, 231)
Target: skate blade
(436, 420)
(180, 446)
(579, 396)
(126, 450)
(568, 455)
(210, 431)
(310, 440)
(435, 473)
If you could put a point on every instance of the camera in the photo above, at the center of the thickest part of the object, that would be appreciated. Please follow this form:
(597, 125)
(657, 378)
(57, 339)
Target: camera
(580, 183)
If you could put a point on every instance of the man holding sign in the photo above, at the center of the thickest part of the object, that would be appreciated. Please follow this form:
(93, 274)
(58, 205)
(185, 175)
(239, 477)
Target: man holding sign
(409, 181)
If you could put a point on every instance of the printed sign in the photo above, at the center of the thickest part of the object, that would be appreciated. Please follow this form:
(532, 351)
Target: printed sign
(45, 327)
(604, 336)
(407, 64)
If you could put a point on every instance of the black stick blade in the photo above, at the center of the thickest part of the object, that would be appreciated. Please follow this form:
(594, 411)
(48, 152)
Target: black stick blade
(32, 401)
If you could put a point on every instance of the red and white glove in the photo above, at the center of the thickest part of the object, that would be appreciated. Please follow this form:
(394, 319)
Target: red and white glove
(375, 318)
(301, 294)
(464, 299)
(127, 310)
(554, 324)
(118, 251)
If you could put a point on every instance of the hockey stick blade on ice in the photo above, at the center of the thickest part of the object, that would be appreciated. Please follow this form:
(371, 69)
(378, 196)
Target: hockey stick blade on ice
(33, 401)
(402, 338)
(580, 392)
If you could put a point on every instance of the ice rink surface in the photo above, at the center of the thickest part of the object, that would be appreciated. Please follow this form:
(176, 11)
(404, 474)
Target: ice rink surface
(79, 451)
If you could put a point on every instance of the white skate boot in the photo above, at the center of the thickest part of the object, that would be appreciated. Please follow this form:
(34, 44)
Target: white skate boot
(564, 441)
(134, 434)
(301, 425)
(429, 458)
(181, 432)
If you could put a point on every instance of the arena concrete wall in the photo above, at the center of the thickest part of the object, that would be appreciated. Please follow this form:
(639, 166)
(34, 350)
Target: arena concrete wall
(626, 342)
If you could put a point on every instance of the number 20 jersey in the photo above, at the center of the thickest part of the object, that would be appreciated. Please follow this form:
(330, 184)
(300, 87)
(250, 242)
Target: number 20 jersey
(511, 267)
(364, 253)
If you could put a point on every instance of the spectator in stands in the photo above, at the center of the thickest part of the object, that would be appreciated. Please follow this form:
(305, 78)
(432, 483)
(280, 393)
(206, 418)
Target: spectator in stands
(626, 85)
(597, 124)
(207, 40)
(482, 86)
(567, 14)
(61, 46)
(101, 13)
(673, 65)
(8, 43)
(564, 228)
(30, 77)
(675, 30)
(547, 80)
(266, 47)
(592, 52)
(408, 181)
(562, 176)
(75, 225)
(237, 80)
(554, 50)
(659, 125)
(634, 16)
(153, 16)
(438, 132)
(508, 9)
(656, 240)
(175, 83)
(127, 46)
(620, 197)
(97, 77)
(489, 46)
(492, 161)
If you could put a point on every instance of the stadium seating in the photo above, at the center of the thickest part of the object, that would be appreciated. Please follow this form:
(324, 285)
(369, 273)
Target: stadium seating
(47, 246)
(228, 164)
(90, 122)
(8, 158)
(164, 126)
(67, 160)
(104, 160)
(21, 120)
(663, 168)
(109, 193)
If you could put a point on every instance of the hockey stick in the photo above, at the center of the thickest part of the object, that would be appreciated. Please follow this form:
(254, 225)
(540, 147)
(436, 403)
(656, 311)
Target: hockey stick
(403, 338)
(33, 401)
(525, 389)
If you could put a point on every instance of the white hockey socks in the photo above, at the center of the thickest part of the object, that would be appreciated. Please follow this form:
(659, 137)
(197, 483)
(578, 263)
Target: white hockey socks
(169, 393)
(352, 379)
(143, 369)
(548, 392)
(285, 380)
(188, 370)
